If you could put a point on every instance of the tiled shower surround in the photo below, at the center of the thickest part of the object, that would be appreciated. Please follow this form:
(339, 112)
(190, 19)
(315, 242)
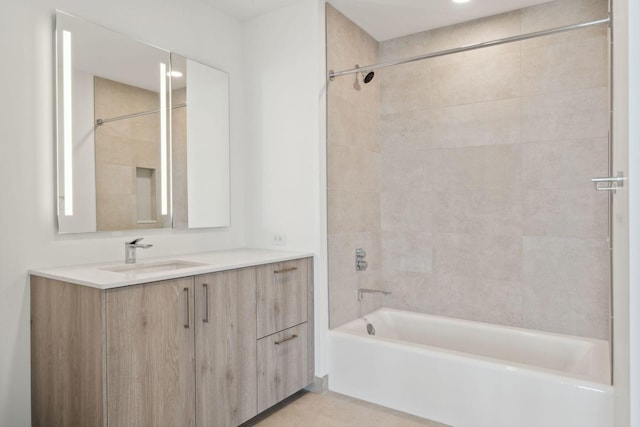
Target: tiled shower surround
(467, 177)
(353, 171)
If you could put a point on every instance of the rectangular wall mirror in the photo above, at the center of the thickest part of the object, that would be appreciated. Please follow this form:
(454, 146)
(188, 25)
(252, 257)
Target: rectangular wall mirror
(137, 146)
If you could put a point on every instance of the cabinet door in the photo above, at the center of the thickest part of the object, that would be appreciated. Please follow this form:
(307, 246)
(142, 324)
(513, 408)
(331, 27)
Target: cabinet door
(282, 365)
(282, 295)
(226, 348)
(150, 354)
(66, 354)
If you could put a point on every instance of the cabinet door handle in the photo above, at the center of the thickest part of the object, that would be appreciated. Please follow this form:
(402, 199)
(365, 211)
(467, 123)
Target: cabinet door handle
(286, 270)
(187, 320)
(205, 319)
(286, 339)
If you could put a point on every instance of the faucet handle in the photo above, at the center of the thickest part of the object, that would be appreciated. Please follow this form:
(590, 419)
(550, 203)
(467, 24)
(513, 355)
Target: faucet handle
(135, 241)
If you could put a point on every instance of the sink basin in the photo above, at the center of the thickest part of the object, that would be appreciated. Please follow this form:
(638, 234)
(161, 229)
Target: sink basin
(152, 267)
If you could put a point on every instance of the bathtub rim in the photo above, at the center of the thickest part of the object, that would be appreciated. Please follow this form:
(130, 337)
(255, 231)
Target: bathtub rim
(578, 380)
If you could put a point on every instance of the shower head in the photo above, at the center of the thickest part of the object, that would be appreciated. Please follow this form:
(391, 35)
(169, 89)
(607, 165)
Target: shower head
(367, 77)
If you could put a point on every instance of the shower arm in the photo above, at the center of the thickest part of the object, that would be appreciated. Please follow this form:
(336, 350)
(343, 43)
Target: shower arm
(333, 74)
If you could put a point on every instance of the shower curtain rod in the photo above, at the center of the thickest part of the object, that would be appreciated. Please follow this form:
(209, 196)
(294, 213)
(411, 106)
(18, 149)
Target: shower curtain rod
(333, 74)
(100, 122)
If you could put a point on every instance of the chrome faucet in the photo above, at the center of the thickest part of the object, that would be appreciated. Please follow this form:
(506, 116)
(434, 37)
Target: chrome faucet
(130, 250)
(371, 291)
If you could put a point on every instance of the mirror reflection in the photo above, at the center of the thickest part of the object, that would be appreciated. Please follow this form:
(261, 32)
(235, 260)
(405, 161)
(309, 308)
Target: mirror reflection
(119, 105)
(200, 135)
(131, 156)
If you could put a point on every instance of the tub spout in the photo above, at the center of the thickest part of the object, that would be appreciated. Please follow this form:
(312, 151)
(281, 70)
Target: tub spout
(371, 291)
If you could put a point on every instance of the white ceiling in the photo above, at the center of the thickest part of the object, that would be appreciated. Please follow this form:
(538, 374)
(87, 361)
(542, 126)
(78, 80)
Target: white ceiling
(244, 10)
(387, 19)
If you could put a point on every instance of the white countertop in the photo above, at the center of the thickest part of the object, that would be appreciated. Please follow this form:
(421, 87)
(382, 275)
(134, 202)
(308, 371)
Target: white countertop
(95, 275)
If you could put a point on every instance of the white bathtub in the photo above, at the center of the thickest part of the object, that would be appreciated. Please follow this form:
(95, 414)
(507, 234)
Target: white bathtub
(471, 374)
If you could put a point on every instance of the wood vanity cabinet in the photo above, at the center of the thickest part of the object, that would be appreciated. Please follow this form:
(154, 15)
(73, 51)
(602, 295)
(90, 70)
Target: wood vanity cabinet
(116, 357)
(149, 354)
(225, 327)
(285, 330)
(66, 354)
(182, 352)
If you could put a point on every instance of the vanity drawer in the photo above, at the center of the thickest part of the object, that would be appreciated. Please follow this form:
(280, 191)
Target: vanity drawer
(282, 365)
(282, 295)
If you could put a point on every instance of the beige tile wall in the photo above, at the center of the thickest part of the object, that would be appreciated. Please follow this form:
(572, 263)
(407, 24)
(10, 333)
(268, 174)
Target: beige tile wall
(486, 210)
(353, 162)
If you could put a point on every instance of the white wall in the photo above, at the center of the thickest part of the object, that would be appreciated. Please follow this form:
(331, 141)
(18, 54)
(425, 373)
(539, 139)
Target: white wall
(634, 211)
(285, 78)
(27, 156)
(626, 240)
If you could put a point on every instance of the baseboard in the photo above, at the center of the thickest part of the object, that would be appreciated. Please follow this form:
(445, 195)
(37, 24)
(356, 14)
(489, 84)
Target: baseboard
(319, 385)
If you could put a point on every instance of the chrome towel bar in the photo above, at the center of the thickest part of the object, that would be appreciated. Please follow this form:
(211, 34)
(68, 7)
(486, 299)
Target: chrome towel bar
(616, 182)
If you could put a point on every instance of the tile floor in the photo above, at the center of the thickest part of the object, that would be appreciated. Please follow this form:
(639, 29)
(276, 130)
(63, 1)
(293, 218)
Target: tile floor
(306, 409)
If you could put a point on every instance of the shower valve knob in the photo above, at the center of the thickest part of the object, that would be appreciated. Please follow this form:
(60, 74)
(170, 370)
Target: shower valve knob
(361, 264)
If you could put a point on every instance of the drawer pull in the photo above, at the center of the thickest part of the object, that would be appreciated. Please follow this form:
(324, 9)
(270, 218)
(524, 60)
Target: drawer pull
(286, 339)
(205, 319)
(286, 270)
(187, 319)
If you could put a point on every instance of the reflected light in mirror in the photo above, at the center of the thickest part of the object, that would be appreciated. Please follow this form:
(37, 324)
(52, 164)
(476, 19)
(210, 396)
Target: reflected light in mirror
(163, 137)
(68, 134)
